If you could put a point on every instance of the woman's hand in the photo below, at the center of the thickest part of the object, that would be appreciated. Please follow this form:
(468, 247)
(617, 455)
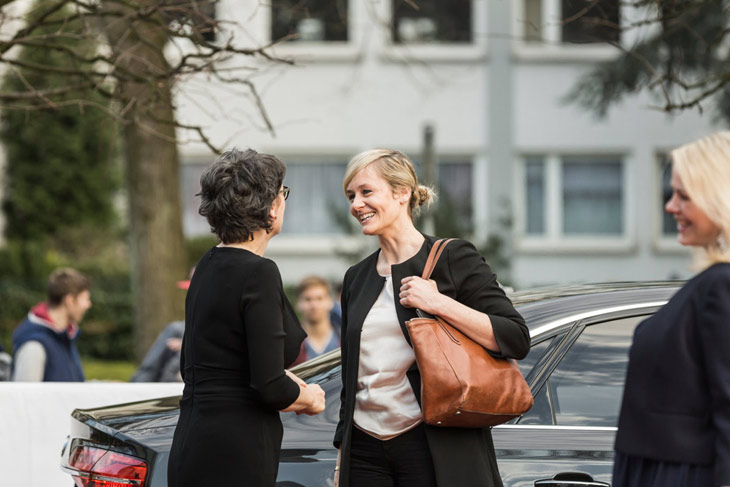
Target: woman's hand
(424, 295)
(420, 293)
(314, 399)
(337, 467)
(311, 399)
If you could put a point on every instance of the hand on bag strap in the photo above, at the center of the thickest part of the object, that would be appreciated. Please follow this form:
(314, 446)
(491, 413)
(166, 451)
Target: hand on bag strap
(433, 258)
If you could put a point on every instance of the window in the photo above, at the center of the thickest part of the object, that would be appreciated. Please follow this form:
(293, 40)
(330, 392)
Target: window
(193, 223)
(432, 21)
(592, 197)
(570, 21)
(535, 196)
(573, 196)
(309, 20)
(454, 209)
(586, 387)
(587, 21)
(317, 204)
(669, 224)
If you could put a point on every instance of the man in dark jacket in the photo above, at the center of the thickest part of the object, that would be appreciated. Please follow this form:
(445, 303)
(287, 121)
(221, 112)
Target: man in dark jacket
(45, 342)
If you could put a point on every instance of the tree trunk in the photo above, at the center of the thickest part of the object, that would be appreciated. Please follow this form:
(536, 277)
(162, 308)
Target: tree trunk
(152, 168)
(156, 222)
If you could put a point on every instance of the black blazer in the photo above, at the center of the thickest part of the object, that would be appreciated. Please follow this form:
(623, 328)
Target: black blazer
(461, 456)
(676, 404)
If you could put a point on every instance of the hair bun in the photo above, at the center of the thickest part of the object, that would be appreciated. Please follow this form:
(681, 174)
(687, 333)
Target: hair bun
(424, 196)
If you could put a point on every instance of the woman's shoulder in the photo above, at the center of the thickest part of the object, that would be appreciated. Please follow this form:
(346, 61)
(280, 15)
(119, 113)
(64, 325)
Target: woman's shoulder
(718, 273)
(712, 283)
(459, 250)
(241, 261)
(364, 264)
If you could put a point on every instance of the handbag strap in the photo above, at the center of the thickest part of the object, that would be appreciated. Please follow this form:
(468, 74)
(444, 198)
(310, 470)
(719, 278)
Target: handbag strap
(433, 257)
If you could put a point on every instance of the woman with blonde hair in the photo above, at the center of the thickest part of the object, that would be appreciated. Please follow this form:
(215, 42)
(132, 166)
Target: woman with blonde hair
(381, 437)
(674, 426)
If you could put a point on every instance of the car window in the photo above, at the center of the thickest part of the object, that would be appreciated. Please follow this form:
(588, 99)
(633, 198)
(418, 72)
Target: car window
(586, 387)
(537, 350)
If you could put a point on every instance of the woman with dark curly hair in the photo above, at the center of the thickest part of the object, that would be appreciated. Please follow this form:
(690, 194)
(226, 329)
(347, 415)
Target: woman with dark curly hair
(240, 334)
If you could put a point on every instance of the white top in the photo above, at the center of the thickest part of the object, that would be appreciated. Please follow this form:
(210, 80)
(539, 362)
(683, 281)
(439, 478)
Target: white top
(385, 405)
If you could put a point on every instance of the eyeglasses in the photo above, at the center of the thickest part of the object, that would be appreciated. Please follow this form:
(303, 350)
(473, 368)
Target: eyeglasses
(285, 190)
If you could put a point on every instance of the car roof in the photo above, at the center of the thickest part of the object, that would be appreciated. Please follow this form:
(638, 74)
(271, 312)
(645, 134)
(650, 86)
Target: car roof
(542, 305)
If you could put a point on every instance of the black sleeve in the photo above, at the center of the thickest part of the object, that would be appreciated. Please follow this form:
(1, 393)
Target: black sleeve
(714, 330)
(339, 431)
(477, 287)
(262, 311)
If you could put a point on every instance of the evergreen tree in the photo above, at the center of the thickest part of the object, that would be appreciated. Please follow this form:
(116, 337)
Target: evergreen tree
(684, 63)
(61, 170)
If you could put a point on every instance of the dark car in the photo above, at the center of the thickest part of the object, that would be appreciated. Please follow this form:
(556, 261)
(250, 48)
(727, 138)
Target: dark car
(576, 367)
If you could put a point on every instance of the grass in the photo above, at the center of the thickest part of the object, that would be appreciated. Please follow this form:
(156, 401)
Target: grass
(112, 370)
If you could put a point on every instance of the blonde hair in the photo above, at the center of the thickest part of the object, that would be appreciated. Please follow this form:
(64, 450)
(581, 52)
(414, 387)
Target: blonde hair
(704, 168)
(397, 170)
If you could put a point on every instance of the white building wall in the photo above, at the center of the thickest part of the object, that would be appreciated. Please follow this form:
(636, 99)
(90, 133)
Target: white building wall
(340, 99)
(546, 124)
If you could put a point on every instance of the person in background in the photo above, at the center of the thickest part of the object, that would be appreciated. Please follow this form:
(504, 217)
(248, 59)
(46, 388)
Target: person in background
(314, 302)
(336, 311)
(674, 425)
(162, 362)
(44, 343)
(5, 364)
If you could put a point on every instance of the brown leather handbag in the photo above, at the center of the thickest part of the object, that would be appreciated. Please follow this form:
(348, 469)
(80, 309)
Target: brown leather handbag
(462, 385)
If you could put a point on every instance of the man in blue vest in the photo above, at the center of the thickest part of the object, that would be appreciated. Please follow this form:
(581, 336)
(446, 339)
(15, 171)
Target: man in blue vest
(45, 342)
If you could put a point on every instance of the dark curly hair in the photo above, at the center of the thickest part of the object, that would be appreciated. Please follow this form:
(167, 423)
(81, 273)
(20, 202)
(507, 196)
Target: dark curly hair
(237, 192)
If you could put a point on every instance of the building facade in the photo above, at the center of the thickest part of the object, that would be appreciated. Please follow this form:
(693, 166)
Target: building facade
(571, 198)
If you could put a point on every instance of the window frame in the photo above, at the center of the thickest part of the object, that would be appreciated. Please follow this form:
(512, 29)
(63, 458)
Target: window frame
(475, 51)
(554, 240)
(303, 159)
(551, 48)
(314, 51)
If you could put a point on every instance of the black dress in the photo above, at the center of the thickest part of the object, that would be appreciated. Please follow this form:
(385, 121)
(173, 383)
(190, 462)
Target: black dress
(674, 426)
(240, 333)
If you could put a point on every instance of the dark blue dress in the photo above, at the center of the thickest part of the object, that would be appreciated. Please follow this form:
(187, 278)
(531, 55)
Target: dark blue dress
(674, 426)
(631, 471)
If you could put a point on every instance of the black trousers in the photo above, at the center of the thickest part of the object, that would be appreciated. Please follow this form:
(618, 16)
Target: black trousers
(404, 461)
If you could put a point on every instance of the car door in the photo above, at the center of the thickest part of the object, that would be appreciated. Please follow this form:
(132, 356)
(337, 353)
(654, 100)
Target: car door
(577, 375)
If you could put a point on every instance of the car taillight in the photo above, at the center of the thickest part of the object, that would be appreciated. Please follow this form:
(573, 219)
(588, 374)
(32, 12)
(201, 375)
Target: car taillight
(95, 467)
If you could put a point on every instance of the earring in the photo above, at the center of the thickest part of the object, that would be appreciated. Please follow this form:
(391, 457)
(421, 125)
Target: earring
(722, 243)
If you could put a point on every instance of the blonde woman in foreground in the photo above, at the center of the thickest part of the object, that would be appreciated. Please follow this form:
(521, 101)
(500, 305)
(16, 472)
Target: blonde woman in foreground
(674, 426)
(381, 436)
